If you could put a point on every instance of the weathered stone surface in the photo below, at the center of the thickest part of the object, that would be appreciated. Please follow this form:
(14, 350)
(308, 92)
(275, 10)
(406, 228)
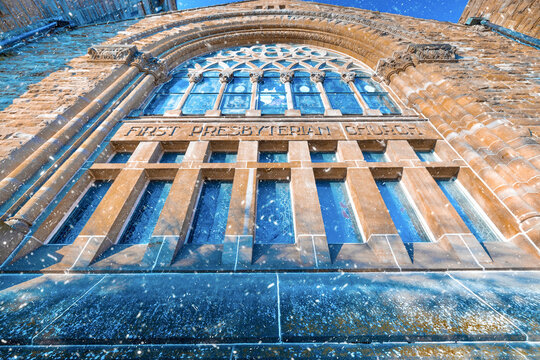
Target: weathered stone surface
(350, 307)
(159, 308)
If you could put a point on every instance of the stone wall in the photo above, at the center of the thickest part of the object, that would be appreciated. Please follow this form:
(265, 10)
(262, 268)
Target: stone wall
(483, 104)
(21, 15)
(522, 16)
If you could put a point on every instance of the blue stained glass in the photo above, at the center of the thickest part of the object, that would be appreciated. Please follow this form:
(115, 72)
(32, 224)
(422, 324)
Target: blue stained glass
(198, 104)
(272, 103)
(303, 85)
(210, 219)
(240, 85)
(207, 85)
(427, 156)
(323, 156)
(120, 158)
(177, 85)
(346, 103)
(472, 216)
(338, 216)
(309, 104)
(257, 63)
(143, 220)
(271, 85)
(274, 224)
(80, 215)
(161, 103)
(402, 213)
(367, 85)
(272, 157)
(172, 157)
(222, 157)
(235, 103)
(332, 84)
(374, 156)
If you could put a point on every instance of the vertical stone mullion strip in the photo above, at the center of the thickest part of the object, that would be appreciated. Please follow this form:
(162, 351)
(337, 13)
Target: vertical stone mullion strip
(10, 184)
(238, 243)
(349, 79)
(522, 210)
(26, 216)
(377, 226)
(255, 78)
(309, 225)
(104, 226)
(286, 78)
(174, 221)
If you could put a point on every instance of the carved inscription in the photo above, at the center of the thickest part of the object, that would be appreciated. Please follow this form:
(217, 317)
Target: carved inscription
(383, 130)
(281, 130)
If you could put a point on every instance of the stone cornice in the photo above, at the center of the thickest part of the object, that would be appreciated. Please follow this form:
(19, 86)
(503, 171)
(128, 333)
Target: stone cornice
(412, 56)
(114, 53)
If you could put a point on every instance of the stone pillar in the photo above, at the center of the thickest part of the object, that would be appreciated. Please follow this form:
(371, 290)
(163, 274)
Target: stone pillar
(318, 77)
(286, 78)
(238, 243)
(26, 216)
(174, 221)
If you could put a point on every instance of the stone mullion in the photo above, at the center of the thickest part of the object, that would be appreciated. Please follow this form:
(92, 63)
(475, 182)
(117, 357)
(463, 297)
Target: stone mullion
(26, 216)
(288, 94)
(220, 96)
(512, 199)
(104, 226)
(238, 242)
(174, 221)
(359, 98)
(377, 226)
(10, 184)
(525, 171)
(178, 109)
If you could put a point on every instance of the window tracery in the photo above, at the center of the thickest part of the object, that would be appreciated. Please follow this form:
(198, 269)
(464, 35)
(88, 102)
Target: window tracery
(270, 80)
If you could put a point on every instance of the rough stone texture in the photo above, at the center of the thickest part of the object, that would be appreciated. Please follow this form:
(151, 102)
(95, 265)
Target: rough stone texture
(17, 16)
(522, 16)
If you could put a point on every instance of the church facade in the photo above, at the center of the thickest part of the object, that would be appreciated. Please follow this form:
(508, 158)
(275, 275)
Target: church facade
(276, 179)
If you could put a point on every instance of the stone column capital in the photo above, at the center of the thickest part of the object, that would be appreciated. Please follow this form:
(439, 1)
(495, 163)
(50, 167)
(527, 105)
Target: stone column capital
(286, 76)
(225, 76)
(195, 76)
(255, 76)
(317, 76)
(348, 76)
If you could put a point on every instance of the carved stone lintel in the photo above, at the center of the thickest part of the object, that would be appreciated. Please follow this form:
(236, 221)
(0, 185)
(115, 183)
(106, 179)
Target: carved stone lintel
(348, 76)
(433, 52)
(415, 53)
(225, 76)
(317, 76)
(194, 76)
(116, 53)
(286, 76)
(255, 76)
(151, 65)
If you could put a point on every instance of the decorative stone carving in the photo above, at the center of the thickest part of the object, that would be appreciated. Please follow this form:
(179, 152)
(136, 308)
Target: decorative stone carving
(415, 53)
(225, 76)
(396, 64)
(286, 76)
(348, 76)
(150, 65)
(317, 76)
(194, 77)
(117, 53)
(480, 28)
(433, 52)
(255, 76)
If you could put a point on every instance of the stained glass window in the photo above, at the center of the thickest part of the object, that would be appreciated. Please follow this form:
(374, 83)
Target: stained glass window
(340, 95)
(269, 61)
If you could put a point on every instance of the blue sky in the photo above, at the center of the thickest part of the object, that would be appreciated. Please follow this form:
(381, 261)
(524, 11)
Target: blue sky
(443, 10)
